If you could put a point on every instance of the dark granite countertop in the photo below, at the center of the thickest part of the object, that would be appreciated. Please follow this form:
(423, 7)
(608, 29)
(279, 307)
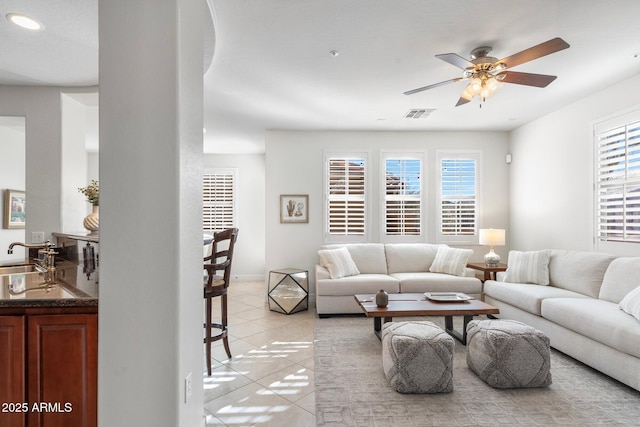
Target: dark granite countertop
(75, 286)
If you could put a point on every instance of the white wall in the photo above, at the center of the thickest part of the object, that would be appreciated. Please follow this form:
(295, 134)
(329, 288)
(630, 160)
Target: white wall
(12, 177)
(74, 164)
(42, 109)
(249, 255)
(151, 305)
(552, 173)
(295, 165)
(93, 167)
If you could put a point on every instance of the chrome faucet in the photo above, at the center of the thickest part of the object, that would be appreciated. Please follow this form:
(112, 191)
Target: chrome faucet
(45, 245)
(49, 255)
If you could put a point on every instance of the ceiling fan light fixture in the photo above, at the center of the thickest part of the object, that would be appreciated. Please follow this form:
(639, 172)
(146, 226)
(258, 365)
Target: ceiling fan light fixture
(486, 72)
(499, 66)
(486, 93)
(475, 86)
(492, 84)
(24, 21)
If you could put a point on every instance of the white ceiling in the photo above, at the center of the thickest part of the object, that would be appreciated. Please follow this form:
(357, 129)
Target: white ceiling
(272, 68)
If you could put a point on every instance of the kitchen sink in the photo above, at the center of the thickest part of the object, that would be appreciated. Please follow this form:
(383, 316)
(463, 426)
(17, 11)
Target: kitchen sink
(17, 269)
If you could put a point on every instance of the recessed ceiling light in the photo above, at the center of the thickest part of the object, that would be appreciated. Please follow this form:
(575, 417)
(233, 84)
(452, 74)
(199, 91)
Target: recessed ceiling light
(24, 21)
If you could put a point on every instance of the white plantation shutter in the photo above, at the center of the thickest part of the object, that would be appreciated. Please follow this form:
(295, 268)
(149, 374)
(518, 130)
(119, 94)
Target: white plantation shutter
(346, 197)
(219, 200)
(458, 198)
(403, 197)
(618, 179)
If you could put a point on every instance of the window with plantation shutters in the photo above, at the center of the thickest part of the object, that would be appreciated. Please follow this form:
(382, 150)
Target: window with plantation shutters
(219, 187)
(458, 196)
(617, 196)
(346, 198)
(402, 207)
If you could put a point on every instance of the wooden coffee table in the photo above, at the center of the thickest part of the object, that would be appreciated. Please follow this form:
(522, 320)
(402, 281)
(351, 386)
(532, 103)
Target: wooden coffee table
(406, 305)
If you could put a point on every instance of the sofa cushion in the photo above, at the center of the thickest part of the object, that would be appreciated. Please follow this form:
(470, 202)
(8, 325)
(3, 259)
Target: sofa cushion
(369, 257)
(437, 282)
(599, 320)
(338, 262)
(578, 271)
(622, 276)
(451, 261)
(630, 304)
(528, 267)
(526, 297)
(409, 257)
(360, 284)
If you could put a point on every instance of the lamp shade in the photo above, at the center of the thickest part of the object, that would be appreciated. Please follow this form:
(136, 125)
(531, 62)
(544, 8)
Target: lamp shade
(492, 237)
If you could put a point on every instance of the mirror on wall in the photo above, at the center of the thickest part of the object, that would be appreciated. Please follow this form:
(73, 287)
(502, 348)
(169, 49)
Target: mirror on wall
(12, 186)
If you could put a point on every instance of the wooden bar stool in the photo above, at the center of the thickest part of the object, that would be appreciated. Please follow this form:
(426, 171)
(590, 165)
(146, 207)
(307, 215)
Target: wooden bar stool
(216, 286)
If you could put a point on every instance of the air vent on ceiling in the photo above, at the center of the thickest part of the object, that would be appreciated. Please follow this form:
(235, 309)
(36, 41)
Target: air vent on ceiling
(419, 113)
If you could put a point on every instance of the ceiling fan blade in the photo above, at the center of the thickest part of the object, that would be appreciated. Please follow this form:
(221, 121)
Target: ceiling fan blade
(462, 101)
(535, 52)
(420, 89)
(528, 79)
(456, 60)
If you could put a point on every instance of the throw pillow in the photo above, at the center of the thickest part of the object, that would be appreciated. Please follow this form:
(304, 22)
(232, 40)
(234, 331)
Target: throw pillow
(451, 261)
(528, 267)
(338, 262)
(631, 303)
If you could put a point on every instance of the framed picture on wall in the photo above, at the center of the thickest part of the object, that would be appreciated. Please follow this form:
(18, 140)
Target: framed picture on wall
(294, 208)
(15, 204)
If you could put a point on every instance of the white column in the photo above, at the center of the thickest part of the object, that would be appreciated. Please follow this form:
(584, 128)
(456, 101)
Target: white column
(150, 330)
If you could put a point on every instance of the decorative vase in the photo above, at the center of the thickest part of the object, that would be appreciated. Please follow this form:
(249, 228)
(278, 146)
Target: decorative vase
(92, 221)
(382, 298)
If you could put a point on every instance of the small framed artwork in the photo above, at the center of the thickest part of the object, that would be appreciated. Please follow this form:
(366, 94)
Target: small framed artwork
(294, 208)
(15, 204)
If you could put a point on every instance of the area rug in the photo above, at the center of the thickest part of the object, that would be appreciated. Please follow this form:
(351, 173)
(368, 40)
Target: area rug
(351, 389)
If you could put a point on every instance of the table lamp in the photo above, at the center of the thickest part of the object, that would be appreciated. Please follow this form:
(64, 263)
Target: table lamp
(492, 237)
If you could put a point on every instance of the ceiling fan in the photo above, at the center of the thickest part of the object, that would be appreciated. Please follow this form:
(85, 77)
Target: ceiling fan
(485, 72)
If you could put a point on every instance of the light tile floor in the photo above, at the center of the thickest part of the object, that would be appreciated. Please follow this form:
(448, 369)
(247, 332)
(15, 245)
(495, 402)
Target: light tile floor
(269, 381)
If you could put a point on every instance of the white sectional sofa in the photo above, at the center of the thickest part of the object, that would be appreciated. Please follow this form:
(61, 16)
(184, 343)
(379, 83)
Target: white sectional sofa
(396, 268)
(578, 310)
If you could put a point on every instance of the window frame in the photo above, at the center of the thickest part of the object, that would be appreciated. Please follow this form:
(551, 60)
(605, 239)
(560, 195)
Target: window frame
(604, 242)
(458, 239)
(346, 238)
(233, 172)
(421, 156)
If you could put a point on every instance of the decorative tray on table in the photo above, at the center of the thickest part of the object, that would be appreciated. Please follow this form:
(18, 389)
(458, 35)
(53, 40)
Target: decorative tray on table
(447, 296)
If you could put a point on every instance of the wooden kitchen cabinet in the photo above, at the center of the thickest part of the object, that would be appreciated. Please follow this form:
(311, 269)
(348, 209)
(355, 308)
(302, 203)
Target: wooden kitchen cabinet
(12, 370)
(62, 369)
(56, 355)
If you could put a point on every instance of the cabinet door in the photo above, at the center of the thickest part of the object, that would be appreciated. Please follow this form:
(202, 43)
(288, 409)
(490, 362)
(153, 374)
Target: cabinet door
(62, 370)
(12, 374)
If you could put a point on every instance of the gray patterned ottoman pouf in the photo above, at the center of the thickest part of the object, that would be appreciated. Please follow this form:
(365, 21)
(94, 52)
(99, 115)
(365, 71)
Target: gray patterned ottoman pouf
(417, 357)
(508, 354)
